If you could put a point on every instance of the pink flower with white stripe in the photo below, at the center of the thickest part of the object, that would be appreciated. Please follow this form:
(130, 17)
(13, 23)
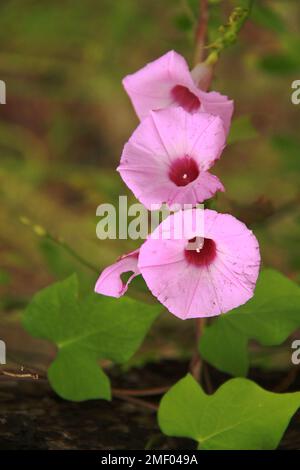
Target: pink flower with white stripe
(168, 157)
(200, 274)
(167, 82)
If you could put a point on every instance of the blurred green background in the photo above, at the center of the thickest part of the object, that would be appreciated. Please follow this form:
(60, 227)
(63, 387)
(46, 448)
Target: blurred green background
(67, 119)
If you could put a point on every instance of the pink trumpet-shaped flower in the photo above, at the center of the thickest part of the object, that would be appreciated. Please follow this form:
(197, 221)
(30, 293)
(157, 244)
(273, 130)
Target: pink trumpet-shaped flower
(168, 82)
(168, 157)
(200, 274)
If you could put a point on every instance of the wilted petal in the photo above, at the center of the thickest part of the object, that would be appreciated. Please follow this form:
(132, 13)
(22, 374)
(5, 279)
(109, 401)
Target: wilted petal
(110, 282)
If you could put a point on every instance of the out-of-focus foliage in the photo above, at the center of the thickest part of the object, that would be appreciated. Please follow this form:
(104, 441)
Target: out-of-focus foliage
(241, 129)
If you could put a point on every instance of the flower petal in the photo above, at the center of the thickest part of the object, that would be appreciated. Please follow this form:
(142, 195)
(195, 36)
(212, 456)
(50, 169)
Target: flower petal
(150, 87)
(190, 291)
(203, 188)
(110, 282)
(199, 135)
(166, 82)
(218, 105)
(158, 142)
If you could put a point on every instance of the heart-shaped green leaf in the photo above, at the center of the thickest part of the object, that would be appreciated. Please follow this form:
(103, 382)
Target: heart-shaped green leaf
(240, 415)
(85, 331)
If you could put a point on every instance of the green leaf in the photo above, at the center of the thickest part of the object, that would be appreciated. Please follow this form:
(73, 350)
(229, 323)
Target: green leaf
(269, 318)
(242, 129)
(4, 277)
(280, 64)
(267, 17)
(288, 148)
(238, 416)
(183, 22)
(85, 331)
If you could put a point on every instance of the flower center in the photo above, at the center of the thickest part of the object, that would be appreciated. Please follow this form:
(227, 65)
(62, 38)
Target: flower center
(185, 98)
(183, 171)
(200, 252)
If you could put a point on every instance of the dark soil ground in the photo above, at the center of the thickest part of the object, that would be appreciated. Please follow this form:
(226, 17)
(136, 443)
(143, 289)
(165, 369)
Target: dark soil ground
(32, 417)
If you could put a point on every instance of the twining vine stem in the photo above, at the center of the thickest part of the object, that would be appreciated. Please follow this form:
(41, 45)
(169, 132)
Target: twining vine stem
(201, 31)
(196, 363)
(227, 36)
(201, 37)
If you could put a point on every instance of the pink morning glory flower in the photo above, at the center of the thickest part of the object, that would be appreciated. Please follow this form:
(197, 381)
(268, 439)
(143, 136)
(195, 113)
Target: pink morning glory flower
(201, 274)
(168, 82)
(168, 156)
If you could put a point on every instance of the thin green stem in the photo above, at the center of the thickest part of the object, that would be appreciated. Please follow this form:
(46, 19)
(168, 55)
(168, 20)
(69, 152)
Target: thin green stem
(61, 243)
(43, 233)
(229, 32)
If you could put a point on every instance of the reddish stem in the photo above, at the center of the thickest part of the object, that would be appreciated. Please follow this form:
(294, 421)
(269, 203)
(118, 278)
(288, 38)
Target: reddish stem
(196, 362)
(137, 401)
(201, 32)
(147, 392)
(122, 394)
